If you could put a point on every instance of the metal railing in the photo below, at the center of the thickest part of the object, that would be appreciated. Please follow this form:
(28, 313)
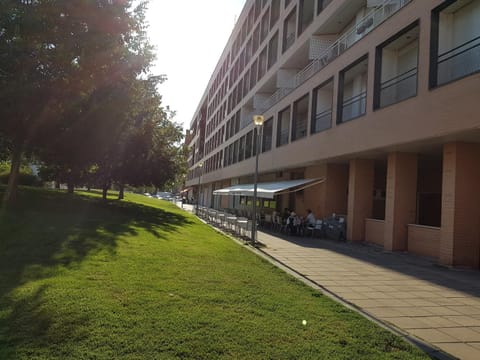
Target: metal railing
(322, 121)
(459, 61)
(283, 138)
(354, 106)
(399, 88)
(276, 97)
(369, 22)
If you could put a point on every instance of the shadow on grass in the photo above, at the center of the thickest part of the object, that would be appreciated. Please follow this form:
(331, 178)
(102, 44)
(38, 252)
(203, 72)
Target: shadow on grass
(48, 229)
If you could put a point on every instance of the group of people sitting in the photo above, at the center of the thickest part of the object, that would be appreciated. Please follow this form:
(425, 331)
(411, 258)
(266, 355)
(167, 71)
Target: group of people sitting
(294, 223)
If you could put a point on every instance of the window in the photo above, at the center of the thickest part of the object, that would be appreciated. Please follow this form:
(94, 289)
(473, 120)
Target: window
(264, 27)
(241, 149)
(262, 63)
(267, 135)
(306, 10)
(289, 30)
(300, 118)
(248, 145)
(396, 68)
(455, 41)
(273, 50)
(352, 91)
(283, 127)
(274, 12)
(322, 4)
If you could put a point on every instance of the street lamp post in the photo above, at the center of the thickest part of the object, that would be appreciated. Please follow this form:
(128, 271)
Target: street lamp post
(199, 167)
(258, 122)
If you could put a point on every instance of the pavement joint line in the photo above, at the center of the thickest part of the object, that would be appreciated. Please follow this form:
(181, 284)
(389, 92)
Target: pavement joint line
(429, 349)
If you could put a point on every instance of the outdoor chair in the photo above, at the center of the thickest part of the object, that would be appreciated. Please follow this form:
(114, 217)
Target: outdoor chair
(268, 221)
(318, 226)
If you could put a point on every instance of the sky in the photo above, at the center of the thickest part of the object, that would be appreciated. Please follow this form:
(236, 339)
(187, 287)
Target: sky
(190, 37)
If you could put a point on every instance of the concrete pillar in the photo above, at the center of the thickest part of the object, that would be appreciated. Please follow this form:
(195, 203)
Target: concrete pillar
(401, 200)
(460, 229)
(360, 197)
(336, 187)
(314, 196)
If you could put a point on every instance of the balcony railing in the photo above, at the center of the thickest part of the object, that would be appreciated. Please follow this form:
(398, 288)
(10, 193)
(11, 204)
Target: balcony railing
(283, 137)
(354, 106)
(276, 97)
(399, 88)
(458, 62)
(322, 121)
(369, 22)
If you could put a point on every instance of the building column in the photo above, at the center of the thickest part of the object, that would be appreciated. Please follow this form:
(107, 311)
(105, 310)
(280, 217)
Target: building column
(401, 199)
(336, 188)
(460, 229)
(360, 197)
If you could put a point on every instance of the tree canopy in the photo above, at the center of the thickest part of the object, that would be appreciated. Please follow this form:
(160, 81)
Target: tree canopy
(75, 90)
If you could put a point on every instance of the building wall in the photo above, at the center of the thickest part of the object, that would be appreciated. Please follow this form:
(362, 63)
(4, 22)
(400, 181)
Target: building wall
(419, 126)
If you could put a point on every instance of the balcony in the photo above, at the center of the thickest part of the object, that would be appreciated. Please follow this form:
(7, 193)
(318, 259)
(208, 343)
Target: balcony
(374, 18)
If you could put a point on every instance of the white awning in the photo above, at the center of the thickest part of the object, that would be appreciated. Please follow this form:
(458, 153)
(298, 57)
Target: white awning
(270, 189)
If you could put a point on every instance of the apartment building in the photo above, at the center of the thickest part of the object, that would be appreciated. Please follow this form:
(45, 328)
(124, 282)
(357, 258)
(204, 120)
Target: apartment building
(372, 110)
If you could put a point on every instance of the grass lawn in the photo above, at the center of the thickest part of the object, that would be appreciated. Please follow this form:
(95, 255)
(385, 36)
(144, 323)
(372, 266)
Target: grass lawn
(142, 279)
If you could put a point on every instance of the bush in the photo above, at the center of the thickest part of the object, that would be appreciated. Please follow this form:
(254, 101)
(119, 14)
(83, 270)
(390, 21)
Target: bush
(23, 179)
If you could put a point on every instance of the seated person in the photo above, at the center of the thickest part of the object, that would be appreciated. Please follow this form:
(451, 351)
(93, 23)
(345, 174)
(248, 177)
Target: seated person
(310, 219)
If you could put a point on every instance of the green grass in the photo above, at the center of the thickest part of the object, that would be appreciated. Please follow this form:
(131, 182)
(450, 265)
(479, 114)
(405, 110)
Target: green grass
(141, 279)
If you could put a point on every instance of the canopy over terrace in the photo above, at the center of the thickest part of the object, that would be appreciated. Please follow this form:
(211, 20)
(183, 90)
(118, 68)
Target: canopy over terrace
(269, 189)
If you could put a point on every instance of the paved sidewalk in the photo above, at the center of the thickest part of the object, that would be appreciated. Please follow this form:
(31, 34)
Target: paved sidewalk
(438, 305)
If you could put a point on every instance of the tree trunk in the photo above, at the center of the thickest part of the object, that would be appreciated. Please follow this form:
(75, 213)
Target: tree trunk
(57, 184)
(10, 196)
(70, 187)
(121, 190)
(105, 191)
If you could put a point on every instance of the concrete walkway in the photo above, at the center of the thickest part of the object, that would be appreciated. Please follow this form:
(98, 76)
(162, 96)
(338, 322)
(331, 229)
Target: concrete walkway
(418, 298)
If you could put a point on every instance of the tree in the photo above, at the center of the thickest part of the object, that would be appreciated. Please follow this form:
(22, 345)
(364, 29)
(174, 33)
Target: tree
(54, 55)
(147, 152)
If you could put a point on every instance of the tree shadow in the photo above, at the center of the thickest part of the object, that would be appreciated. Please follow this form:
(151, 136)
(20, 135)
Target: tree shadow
(48, 229)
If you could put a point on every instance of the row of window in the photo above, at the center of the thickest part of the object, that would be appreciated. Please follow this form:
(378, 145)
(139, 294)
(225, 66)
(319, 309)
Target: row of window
(395, 79)
(269, 54)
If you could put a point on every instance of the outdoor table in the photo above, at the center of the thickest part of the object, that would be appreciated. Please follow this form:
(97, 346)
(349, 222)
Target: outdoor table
(241, 223)
(220, 218)
(231, 221)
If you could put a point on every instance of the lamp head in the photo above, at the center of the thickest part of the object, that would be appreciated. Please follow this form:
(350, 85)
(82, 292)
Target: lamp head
(200, 164)
(258, 120)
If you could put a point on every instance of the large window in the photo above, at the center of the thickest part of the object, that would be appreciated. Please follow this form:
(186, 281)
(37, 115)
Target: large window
(241, 149)
(283, 127)
(289, 30)
(322, 4)
(267, 135)
(352, 91)
(264, 28)
(455, 41)
(322, 107)
(248, 145)
(262, 63)
(396, 68)
(274, 12)
(300, 118)
(306, 11)
(273, 50)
